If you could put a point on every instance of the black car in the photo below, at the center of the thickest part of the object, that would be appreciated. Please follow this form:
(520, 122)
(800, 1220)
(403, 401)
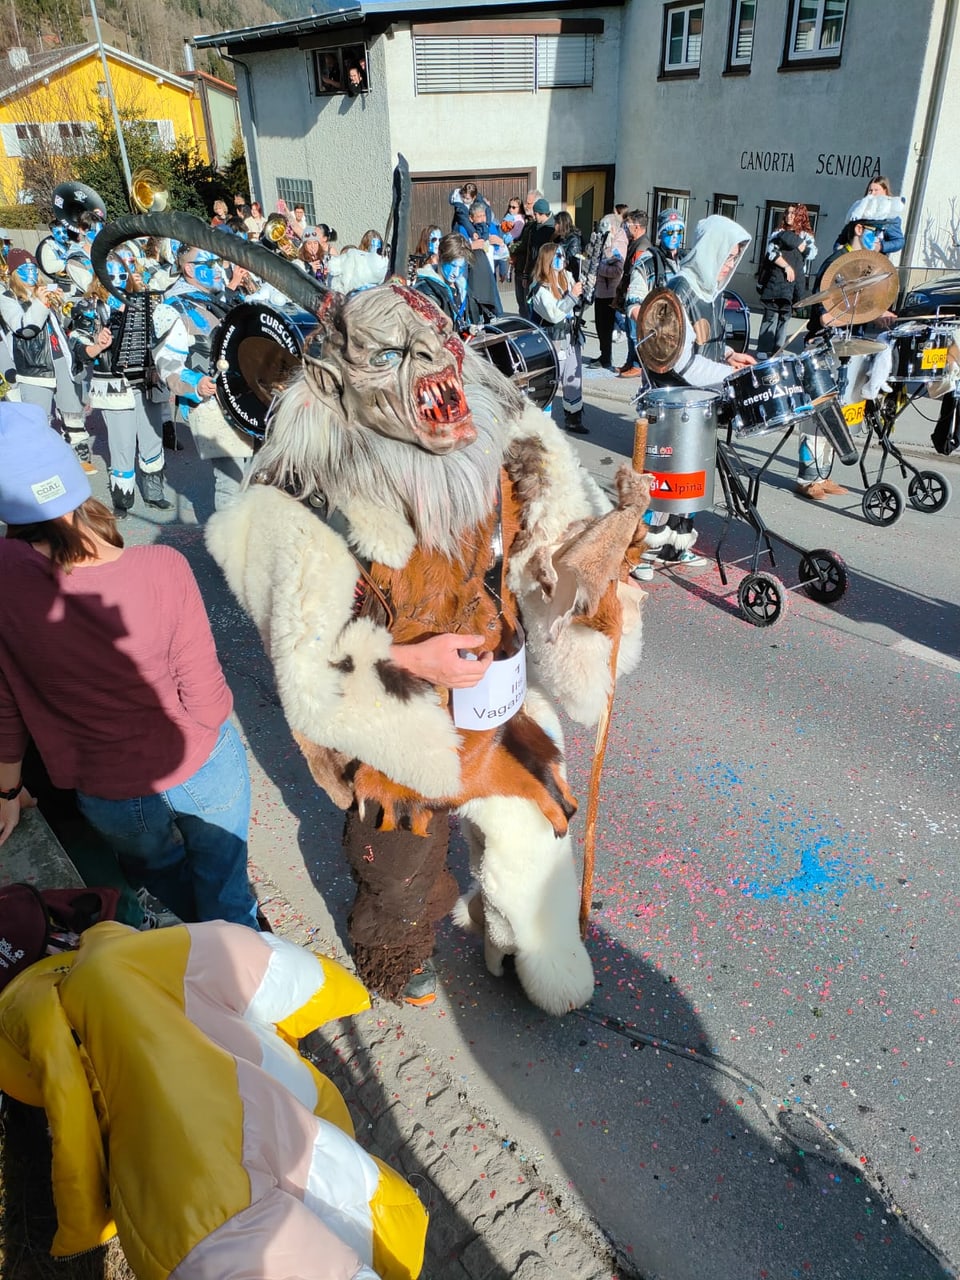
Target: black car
(936, 296)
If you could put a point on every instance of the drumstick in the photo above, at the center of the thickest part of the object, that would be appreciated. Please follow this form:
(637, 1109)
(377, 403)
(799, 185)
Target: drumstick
(783, 349)
(640, 444)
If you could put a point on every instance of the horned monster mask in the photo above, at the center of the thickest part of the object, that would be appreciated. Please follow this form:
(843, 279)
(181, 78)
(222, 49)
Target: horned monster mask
(394, 363)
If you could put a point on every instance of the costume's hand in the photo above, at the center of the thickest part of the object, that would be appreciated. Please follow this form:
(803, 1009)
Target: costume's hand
(10, 813)
(740, 360)
(206, 388)
(438, 660)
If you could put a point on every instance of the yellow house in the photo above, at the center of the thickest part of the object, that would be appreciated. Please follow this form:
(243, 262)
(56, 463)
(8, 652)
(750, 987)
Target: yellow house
(54, 97)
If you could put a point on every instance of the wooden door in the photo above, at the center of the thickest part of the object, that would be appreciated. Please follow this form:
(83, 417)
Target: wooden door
(587, 196)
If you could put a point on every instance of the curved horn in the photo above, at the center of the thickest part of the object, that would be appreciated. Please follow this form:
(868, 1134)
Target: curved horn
(299, 287)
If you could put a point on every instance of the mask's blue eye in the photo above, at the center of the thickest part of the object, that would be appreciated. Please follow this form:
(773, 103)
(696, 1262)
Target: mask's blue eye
(387, 358)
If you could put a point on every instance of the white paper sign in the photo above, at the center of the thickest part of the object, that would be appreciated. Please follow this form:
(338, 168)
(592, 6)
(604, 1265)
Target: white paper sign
(497, 697)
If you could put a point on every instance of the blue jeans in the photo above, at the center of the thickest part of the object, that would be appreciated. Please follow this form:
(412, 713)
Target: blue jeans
(188, 845)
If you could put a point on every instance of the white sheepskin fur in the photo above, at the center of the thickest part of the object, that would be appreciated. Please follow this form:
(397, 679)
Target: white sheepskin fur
(526, 881)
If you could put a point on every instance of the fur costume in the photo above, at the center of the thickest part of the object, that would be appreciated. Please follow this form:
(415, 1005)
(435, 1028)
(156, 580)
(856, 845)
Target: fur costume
(420, 453)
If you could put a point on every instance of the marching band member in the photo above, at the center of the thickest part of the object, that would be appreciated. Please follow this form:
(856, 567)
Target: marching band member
(705, 361)
(554, 295)
(30, 311)
(863, 229)
(184, 325)
(134, 422)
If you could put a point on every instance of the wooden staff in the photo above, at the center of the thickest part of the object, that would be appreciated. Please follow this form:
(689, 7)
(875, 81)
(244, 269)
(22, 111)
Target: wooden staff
(603, 728)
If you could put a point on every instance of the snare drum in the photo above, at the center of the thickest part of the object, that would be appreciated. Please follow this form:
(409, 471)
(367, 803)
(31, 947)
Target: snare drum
(767, 396)
(523, 353)
(817, 366)
(920, 351)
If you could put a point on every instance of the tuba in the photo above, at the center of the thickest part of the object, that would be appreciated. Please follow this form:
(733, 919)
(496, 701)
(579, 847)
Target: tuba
(274, 234)
(147, 192)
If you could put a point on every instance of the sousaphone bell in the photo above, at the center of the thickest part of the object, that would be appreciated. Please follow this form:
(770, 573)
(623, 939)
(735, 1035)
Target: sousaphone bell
(147, 192)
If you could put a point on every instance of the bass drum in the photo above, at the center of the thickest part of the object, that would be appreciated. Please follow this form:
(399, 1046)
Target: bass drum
(523, 353)
(255, 349)
(736, 321)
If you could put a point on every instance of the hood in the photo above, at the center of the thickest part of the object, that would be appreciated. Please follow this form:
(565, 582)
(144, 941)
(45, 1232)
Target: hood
(716, 236)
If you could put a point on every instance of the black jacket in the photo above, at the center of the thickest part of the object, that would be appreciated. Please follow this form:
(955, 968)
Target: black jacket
(773, 285)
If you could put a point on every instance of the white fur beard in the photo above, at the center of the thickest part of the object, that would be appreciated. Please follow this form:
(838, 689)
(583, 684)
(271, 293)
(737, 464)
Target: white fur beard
(309, 449)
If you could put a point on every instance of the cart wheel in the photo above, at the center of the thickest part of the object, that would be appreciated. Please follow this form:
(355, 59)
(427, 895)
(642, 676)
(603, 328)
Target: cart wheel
(823, 576)
(929, 491)
(762, 599)
(882, 504)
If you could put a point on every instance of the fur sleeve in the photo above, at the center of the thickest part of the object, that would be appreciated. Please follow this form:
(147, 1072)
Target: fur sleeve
(556, 491)
(295, 577)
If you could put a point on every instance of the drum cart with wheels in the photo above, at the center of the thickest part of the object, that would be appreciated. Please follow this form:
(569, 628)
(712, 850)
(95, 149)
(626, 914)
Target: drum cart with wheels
(927, 491)
(761, 595)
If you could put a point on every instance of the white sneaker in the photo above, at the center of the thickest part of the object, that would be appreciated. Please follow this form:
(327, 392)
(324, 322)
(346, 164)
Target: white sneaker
(642, 572)
(691, 559)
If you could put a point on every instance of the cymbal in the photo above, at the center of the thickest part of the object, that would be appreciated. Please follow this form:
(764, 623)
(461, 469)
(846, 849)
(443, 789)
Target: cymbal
(857, 347)
(660, 330)
(856, 287)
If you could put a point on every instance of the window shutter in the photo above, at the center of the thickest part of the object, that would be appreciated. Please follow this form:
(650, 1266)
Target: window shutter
(564, 61)
(474, 64)
(168, 138)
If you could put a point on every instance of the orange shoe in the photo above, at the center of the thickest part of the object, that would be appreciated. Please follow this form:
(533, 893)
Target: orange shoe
(421, 990)
(88, 467)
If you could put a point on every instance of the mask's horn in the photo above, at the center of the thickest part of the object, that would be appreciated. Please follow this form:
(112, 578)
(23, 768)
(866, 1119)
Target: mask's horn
(299, 287)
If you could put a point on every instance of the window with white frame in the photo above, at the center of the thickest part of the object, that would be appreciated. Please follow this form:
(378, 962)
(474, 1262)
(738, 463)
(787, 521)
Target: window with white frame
(502, 64)
(682, 36)
(726, 206)
(743, 16)
(815, 30)
(60, 137)
(298, 191)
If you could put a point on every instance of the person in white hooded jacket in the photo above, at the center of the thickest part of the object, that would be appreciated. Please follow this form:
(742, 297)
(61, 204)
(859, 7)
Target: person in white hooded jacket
(705, 360)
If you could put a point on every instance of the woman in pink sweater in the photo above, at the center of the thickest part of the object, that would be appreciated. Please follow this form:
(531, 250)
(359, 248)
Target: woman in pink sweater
(107, 661)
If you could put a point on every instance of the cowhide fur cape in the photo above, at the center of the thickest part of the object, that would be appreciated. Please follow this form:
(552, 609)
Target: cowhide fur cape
(295, 576)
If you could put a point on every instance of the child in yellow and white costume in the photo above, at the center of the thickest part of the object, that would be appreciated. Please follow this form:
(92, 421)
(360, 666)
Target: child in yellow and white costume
(184, 1120)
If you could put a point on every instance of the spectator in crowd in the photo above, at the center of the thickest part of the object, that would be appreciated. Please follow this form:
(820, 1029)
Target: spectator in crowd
(511, 228)
(462, 198)
(312, 259)
(613, 253)
(554, 298)
(519, 254)
(781, 280)
(893, 238)
(297, 226)
(140, 727)
(638, 243)
(220, 213)
(330, 81)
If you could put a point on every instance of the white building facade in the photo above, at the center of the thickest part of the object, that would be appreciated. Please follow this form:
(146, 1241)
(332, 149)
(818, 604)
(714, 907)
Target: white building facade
(731, 106)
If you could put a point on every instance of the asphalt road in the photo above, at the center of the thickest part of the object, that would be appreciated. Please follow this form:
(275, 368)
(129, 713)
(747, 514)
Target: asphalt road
(765, 1083)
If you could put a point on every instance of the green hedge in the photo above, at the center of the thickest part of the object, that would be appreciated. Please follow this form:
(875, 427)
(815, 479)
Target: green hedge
(21, 217)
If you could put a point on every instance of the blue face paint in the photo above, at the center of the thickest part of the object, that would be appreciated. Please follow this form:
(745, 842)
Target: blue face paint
(871, 237)
(376, 244)
(207, 272)
(28, 273)
(671, 239)
(455, 272)
(434, 241)
(559, 260)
